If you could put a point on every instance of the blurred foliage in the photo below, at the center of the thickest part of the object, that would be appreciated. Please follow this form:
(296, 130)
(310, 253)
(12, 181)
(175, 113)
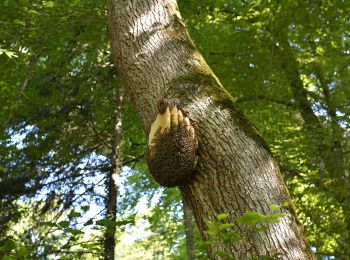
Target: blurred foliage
(286, 63)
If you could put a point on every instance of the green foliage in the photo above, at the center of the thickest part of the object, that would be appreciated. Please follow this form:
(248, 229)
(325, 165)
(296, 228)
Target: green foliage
(8, 53)
(13, 250)
(57, 121)
(254, 218)
(57, 95)
(8, 245)
(221, 232)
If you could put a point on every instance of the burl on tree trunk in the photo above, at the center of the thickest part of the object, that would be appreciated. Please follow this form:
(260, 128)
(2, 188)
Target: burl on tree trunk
(235, 172)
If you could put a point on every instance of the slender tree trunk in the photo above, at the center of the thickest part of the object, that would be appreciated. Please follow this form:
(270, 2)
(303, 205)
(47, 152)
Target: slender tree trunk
(336, 155)
(112, 183)
(189, 229)
(235, 172)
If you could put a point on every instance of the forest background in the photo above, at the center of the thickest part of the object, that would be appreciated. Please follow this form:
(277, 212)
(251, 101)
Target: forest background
(286, 63)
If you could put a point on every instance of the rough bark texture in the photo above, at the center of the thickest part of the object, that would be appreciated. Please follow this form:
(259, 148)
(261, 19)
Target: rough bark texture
(112, 183)
(235, 172)
(189, 231)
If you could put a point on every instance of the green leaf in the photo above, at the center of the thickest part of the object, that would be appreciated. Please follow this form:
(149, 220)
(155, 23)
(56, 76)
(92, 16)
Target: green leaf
(105, 222)
(8, 245)
(89, 222)
(64, 224)
(212, 225)
(125, 222)
(225, 225)
(8, 53)
(75, 231)
(212, 232)
(275, 217)
(286, 204)
(49, 4)
(85, 208)
(230, 237)
(22, 251)
(9, 258)
(75, 214)
(275, 207)
(222, 216)
(251, 218)
(49, 224)
(278, 215)
(19, 22)
(212, 241)
(90, 245)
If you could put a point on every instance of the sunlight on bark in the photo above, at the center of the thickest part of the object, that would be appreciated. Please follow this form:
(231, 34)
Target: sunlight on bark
(148, 20)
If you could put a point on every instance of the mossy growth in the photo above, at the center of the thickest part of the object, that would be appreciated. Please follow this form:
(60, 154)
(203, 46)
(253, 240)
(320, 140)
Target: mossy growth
(201, 81)
(224, 100)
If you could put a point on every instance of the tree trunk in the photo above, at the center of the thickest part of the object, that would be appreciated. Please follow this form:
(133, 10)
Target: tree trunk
(112, 183)
(235, 173)
(189, 229)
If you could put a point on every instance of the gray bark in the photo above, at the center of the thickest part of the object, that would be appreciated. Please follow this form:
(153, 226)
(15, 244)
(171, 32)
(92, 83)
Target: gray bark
(189, 231)
(112, 183)
(235, 173)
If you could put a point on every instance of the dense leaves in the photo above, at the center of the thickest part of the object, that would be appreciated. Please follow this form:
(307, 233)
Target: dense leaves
(286, 63)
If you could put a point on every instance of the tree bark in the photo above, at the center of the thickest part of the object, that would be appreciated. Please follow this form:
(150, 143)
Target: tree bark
(189, 229)
(235, 172)
(112, 183)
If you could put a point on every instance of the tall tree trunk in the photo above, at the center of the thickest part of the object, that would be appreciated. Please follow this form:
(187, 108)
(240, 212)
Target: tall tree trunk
(112, 183)
(235, 172)
(189, 229)
(336, 155)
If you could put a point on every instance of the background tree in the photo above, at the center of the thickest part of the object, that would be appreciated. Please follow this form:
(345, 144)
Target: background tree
(61, 143)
